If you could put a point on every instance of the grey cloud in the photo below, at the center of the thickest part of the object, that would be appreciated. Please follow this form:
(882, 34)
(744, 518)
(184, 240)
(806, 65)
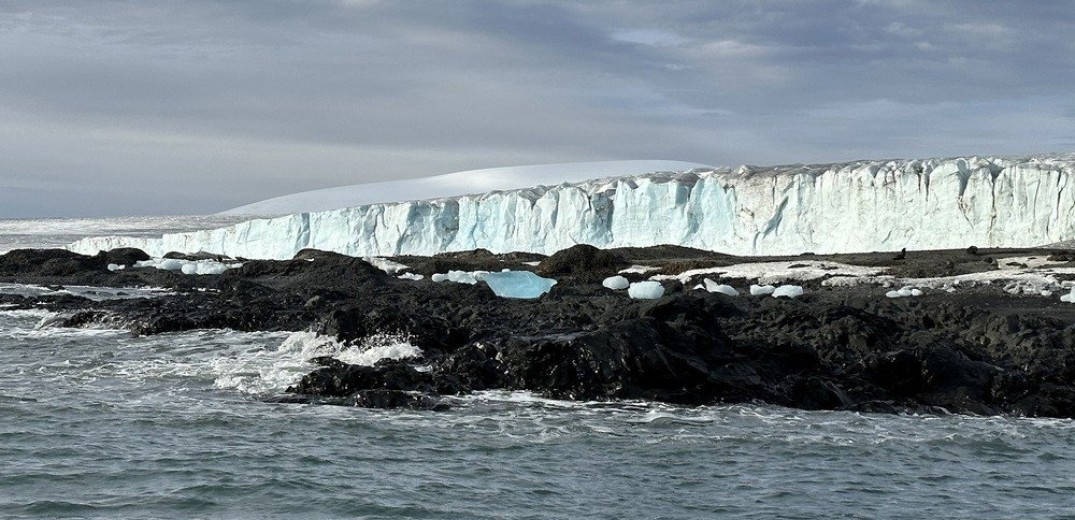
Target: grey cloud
(204, 105)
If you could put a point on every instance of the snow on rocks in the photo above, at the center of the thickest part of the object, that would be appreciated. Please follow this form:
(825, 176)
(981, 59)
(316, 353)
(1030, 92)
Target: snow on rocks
(517, 284)
(776, 272)
(648, 290)
(615, 283)
(385, 264)
(715, 287)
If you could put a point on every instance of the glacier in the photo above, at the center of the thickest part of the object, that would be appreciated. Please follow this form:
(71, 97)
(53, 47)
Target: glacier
(844, 207)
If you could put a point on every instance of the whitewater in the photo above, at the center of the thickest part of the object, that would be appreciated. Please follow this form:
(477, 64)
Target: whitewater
(100, 424)
(845, 207)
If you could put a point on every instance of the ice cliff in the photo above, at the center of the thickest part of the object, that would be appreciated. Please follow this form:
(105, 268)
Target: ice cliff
(857, 206)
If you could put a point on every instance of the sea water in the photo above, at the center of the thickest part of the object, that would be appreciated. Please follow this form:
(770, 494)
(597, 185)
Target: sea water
(97, 423)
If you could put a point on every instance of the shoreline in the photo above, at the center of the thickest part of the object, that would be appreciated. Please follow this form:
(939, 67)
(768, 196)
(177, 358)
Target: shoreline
(977, 350)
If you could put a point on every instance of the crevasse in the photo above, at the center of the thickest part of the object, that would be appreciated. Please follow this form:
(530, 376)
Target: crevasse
(848, 207)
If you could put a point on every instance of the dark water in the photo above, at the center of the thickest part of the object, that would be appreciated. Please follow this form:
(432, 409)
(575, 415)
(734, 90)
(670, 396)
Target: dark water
(97, 424)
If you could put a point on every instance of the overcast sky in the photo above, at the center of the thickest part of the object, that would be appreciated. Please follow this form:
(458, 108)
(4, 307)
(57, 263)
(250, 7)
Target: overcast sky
(169, 107)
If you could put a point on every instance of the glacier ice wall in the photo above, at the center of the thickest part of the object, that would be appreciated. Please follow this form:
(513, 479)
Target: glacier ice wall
(858, 206)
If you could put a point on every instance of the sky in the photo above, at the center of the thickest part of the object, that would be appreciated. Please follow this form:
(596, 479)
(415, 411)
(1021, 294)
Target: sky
(158, 107)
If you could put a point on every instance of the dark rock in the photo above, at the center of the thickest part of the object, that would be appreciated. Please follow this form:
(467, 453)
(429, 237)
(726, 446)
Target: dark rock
(584, 262)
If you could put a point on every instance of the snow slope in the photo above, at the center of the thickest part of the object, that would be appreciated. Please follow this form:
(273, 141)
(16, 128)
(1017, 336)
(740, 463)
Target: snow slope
(453, 185)
(856, 206)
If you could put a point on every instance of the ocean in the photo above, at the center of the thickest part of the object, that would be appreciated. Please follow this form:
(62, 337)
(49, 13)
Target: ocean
(102, 424)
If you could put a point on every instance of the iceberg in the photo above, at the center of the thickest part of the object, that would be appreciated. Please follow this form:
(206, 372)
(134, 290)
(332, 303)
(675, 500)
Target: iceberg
(834, 208)
(518, 284)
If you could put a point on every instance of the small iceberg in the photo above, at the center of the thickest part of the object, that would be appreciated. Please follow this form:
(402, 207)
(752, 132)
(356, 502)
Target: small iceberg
(517, 284)
(648, 290)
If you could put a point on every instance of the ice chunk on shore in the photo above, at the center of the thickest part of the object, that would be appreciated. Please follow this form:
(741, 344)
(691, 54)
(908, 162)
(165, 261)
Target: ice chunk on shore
(904, 292)
(116, 267)
(761, 290)
(788, 291)
(648, 290)
(457, 277)
(1069, 297)
(616, 283)
(518, 284)
(188, 266)
(410, 276)
(715, 287)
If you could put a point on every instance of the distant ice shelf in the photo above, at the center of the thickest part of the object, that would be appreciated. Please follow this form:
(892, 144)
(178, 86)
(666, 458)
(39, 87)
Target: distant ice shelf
(846, 207)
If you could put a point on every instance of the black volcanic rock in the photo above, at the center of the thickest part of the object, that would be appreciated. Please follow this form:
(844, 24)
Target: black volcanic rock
(583, 262)
(979, 351)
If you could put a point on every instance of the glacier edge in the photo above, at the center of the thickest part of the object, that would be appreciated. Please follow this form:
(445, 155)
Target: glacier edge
(846, 207)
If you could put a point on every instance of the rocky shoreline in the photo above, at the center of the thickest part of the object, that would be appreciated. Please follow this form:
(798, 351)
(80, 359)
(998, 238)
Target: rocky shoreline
(978, 350)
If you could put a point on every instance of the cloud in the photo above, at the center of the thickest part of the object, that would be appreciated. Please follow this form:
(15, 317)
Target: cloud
(158, 106)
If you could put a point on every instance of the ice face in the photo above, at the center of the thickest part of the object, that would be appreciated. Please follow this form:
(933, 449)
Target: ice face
(518, 284)
(858, 206)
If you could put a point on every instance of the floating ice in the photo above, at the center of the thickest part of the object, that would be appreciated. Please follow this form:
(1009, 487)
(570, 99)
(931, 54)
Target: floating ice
(761, 290)
(788, 291)
(715, 287)
(648, 290)
(615, 283)
(518, 284)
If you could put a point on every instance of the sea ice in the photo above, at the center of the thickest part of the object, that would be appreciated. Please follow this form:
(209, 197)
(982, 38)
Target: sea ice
(788, 291)
(615, 283)
(517, 284)
(648, 290)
